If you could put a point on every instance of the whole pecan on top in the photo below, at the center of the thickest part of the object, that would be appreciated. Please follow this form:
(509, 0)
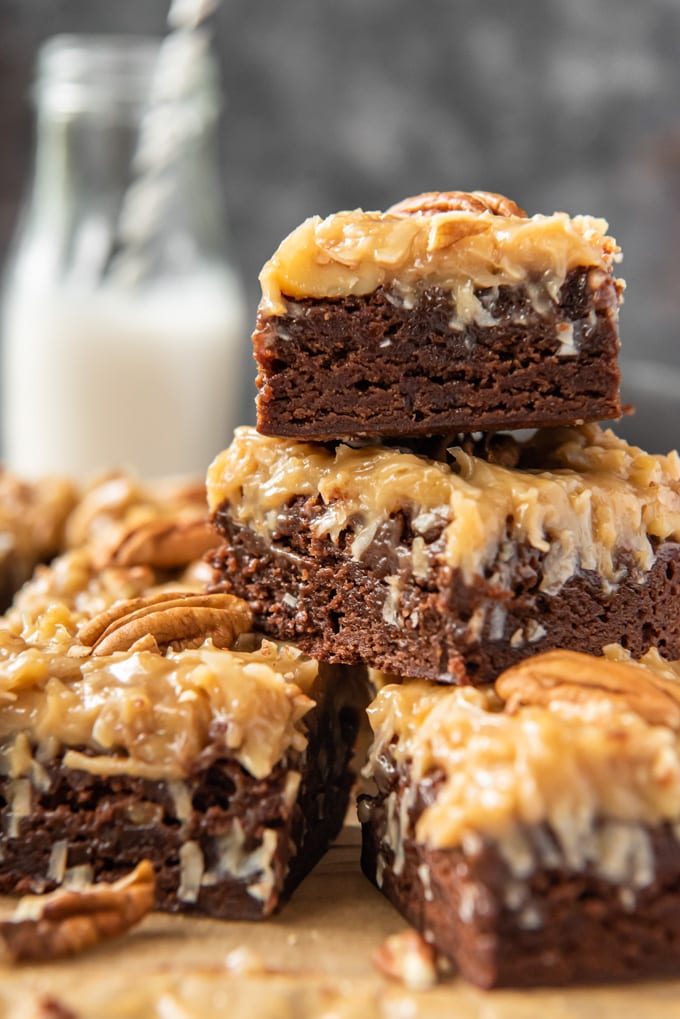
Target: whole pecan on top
(585, 680)
(430, 203)
(172, 619)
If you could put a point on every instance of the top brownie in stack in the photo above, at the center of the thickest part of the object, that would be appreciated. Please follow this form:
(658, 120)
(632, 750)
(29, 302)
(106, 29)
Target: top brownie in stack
(450, 312)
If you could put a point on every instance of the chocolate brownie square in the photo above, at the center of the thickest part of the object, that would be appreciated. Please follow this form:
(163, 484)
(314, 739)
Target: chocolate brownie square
(162, 729)
(531, 832)
(449, 312)
(455, 563)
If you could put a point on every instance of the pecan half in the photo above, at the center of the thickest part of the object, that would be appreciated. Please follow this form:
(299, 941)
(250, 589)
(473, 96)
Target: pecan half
(66, 922)
(173, 619)
(572, 677)
(164, 544)
(432, 202)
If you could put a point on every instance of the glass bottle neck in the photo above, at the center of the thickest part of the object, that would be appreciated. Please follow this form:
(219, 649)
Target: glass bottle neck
(84, 178)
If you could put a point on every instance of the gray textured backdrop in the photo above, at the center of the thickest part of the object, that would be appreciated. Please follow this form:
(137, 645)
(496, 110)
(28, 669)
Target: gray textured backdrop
(562, 105)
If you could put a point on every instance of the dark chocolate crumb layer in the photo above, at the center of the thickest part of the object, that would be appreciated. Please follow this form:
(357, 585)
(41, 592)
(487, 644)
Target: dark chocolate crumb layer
(372, 366)
(309, 590)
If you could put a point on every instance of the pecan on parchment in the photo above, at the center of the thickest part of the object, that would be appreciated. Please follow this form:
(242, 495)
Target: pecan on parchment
(66, 922)
(408, 958)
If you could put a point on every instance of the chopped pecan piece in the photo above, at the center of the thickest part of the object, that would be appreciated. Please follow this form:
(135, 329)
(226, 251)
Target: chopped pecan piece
(173, 619)
(66, 922)
(408, 958)
(572, 677)
(432, 202)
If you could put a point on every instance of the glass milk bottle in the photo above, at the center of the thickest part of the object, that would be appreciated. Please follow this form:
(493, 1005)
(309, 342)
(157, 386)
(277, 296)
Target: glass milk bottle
(122, 319)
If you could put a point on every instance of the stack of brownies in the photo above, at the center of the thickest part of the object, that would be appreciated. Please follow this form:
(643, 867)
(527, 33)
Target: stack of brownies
(526, 809)
(515, 596)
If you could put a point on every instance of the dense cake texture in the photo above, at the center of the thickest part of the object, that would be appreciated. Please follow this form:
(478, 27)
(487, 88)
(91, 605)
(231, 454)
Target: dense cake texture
(456, 565)
(143, 732)
(532, 834)
(450, 312)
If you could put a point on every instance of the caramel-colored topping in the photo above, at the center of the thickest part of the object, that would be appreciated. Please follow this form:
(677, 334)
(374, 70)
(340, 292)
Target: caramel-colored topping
(483, 241)
(126, 540)
(59, 598)
(144, 714)
(552, 754)
(432, 202)
(597, 497)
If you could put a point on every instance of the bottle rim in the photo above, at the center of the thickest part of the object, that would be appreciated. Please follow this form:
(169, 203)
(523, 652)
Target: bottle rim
(111, 74)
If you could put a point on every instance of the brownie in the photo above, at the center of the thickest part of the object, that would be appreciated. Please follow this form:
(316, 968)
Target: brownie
(113, 538)
(227, 769)
(534, 841)
(123, 539)
(452, 569)
(33, 516)
(438, 317)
